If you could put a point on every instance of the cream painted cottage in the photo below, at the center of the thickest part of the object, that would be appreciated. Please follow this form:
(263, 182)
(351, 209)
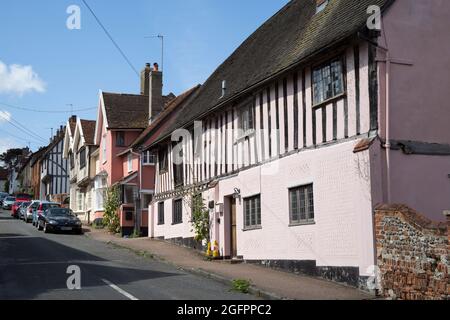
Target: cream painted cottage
(78, 148)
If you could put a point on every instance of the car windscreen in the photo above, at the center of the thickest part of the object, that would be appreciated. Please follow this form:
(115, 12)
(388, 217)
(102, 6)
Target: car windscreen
(23, 196)
(60, 213)
(46, 206)
(10, 199)
(25, 204)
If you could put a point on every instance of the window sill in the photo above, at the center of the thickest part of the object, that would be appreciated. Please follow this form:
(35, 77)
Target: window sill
(252, 228)
(161, 224)
(299, 224)
(246, 135)
(148, 164)
(328, 101)
(177, 223)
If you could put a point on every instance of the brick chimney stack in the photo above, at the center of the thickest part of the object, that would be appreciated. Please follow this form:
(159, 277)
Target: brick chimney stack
(145, 76)
(155, 92)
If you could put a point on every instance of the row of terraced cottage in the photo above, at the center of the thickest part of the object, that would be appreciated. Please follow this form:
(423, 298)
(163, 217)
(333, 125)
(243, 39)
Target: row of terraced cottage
(292, 142)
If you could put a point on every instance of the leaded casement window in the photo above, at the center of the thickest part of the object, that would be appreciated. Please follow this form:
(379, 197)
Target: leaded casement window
(161, 213)
(82, 158)
(328, 81)
(177, 212)
(301, 205)
(80, 201)
(246, 119)
(148, 158)
(163, 161)
(130, 162)
(178, 165)
(72, 160)
(104, 154)
(252, 212)
(146, 199)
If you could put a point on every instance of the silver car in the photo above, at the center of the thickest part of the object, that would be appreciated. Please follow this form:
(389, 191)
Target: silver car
(28, 216)
(23, 210)
(8, 202)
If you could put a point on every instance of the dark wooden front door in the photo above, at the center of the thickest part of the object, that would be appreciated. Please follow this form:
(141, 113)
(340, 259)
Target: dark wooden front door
(233, 231)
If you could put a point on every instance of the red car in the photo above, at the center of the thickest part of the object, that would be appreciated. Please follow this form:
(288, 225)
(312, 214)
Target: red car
(20, 198)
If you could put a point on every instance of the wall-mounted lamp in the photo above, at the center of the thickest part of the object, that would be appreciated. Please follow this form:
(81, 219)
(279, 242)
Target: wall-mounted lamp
(237, 194)
(219, 209)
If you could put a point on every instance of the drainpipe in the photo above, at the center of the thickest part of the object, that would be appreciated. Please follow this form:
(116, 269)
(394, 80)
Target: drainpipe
(137, 205)
(388, 137)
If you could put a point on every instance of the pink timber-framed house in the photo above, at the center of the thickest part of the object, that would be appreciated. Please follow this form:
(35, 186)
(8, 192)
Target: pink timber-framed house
(333, 118)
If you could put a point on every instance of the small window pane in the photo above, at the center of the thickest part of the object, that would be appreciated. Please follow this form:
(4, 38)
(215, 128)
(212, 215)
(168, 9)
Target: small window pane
(177, 211)
(328, 81)
(301, 204)
(161, 213)
(120, 139)
(252, 212)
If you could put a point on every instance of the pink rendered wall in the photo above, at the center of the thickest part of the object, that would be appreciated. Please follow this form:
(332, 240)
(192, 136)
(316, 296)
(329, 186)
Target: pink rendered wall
(148, 177)
(117, 172)
(419, 110)
(134, 167)
(418, 32)
(422, 182)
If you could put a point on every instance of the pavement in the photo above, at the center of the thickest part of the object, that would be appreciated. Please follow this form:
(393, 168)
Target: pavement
(266, 283)
(34, 265)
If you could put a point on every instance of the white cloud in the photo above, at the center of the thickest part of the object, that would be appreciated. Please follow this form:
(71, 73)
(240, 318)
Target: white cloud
(19, 79)
(5, 144)
(4, 116)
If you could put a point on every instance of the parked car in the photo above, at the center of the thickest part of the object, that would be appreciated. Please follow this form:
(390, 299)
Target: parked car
(23, 209)
(23, 197)
(40, 209)
(8, 202)
(15, 208)
(59, 219)
(3, 195)
(30, 209)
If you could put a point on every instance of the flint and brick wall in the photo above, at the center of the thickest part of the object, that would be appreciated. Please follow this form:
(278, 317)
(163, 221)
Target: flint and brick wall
(412, 254)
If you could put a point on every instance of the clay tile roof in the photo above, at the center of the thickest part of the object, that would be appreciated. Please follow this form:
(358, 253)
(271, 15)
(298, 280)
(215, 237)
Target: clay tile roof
(293, 34)
(174, 105)
(88, 127)
(128, 111)
(363, 144)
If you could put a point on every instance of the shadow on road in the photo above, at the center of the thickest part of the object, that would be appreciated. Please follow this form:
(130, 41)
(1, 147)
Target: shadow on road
(31, 266)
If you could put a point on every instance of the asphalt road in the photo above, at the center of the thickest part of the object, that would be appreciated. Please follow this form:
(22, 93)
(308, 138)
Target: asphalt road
(33, 265)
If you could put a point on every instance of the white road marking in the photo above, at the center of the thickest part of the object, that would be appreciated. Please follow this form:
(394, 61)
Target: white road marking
(121, 291)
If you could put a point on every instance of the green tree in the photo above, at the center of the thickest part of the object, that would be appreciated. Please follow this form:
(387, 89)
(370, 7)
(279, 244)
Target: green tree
(112, 204)
(201, 221)
(12, 157)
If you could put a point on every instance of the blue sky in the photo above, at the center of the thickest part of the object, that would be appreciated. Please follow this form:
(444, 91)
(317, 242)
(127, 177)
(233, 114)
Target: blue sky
(57, 66)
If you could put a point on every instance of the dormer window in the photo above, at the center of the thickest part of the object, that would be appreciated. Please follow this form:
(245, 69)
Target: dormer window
(320, 5)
